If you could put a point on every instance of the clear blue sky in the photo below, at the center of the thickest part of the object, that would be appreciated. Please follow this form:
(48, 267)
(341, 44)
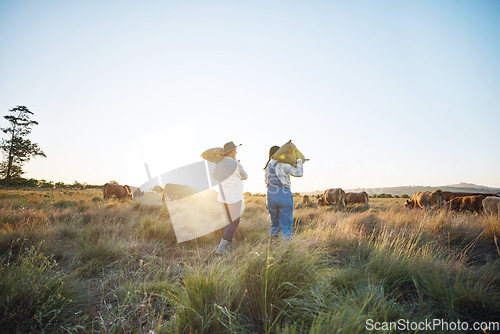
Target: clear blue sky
(375, 93)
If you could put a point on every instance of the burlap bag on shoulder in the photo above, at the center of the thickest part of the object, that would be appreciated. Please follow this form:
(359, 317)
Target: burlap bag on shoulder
(288, 154)
(213, 154)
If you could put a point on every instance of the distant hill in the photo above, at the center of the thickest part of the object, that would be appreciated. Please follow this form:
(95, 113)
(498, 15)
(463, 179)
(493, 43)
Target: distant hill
(409, 190)
(468, 186)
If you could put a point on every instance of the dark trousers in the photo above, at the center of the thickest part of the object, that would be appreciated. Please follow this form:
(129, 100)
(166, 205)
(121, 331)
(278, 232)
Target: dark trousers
(232, 212)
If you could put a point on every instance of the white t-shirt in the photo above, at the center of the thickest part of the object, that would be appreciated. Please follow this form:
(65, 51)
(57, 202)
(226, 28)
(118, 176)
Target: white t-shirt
(230, 174)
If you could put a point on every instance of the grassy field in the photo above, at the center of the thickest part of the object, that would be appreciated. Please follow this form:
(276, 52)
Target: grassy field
(73, 262)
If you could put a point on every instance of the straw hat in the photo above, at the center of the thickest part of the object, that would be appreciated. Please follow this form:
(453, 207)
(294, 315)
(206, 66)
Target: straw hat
(228, 147)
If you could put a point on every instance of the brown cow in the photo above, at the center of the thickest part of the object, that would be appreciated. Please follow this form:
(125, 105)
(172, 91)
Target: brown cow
(426, 200)
(306, 200)
(174, 191)
(110, 189)
(333, 196)
(448, 195)
(467, 203)
(491, 205)
(352, 198)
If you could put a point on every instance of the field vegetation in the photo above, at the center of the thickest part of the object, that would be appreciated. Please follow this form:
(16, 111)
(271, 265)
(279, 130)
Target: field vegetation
(73, 262)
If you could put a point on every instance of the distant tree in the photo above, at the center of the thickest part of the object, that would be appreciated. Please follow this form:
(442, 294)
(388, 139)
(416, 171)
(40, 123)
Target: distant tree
(405, 196)
(20, 182)
(59, 184)
(77, 185)
(45, 184)
(17, 150)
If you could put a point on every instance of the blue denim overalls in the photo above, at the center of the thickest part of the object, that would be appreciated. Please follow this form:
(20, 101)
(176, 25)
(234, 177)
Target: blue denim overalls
(279, 204)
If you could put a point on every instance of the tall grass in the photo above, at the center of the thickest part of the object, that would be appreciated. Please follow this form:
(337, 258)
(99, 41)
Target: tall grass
(113, 266)
(282, 285)
(206, 300)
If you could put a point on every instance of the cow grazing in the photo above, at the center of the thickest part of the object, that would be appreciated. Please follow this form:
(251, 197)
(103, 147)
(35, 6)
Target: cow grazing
(120, 192)
(467, 203)
(306, 200)
(426, 200)
(174, 191)
(448, 195)
(355, 198)
(491, 205)
(333, 196)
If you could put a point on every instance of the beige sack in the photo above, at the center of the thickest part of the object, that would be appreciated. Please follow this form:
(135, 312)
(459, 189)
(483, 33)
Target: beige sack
(288, 154)
(213, 154)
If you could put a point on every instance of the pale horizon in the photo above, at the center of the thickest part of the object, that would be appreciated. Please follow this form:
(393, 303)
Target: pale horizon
(376, 94)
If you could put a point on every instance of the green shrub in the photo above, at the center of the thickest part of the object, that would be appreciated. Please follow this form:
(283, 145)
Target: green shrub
(21, 182)
(35, 295)
(384, 196)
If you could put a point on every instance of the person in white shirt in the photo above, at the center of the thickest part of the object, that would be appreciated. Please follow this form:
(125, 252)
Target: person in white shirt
(230, 175)
(279, 195)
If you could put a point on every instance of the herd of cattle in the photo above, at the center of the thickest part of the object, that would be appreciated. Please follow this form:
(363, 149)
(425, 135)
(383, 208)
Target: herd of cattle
(339, 198)
(455, 201)
(475, 202)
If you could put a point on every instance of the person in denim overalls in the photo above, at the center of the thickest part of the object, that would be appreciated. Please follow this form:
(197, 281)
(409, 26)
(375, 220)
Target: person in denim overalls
(279, 195)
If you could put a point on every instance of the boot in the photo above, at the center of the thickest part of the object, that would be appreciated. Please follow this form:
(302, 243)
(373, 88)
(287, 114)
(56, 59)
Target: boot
(222, 247)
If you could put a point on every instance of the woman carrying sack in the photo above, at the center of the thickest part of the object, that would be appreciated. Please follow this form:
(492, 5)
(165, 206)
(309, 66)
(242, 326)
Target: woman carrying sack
(279, 195)
(230, 175)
